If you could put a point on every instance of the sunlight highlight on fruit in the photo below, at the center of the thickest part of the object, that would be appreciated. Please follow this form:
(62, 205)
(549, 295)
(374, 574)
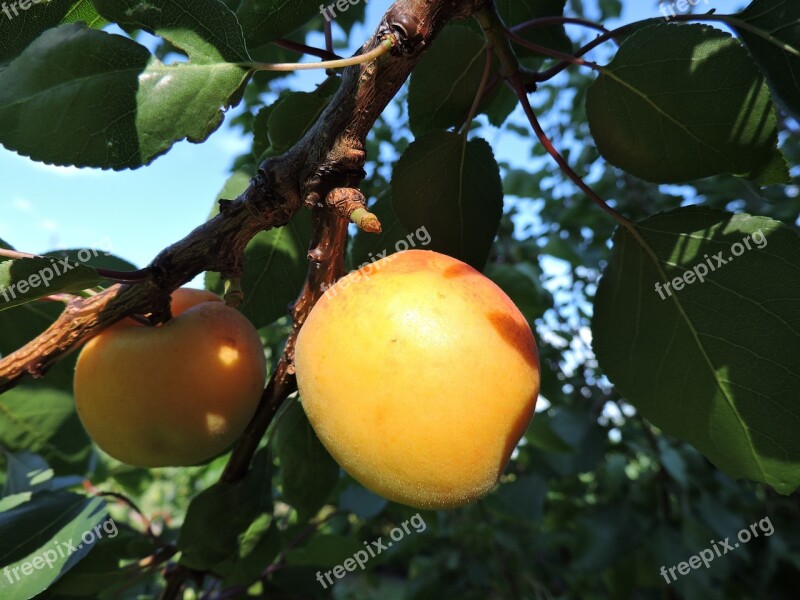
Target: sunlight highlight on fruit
(176, 394)
(419, 375)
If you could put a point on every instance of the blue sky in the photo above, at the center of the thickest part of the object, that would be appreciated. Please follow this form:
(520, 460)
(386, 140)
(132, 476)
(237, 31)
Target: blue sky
(140, 212)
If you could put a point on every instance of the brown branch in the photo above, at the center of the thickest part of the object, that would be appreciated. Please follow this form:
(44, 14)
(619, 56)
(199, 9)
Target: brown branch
(330, 155)
(326, 266)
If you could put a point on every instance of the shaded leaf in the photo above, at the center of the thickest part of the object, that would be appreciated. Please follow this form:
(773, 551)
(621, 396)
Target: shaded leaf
(44, 421)
(308, 474)
(26, 279)
(453, 189)
(714, 361)
(443, 86)
(293, 114)
(26, 472)
(275, 264)
(20, 29)
(515, 12)
(360, 501)
(771, 31)
(708, 112)
(367, 247)
(264, 21)
(206, 539)
(43, 539)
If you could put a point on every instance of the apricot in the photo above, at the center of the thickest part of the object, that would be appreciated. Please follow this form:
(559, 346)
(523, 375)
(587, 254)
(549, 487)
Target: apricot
(176, 394)
(419, 375)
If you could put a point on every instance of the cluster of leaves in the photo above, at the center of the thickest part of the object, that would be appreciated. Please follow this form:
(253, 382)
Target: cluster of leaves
(595, 499)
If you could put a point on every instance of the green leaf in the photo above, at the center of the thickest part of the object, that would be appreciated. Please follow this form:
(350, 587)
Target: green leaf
(708, 111)
(26, 472)
(324, 550)
(367, 247)
(23, 323)
(45, 538)
(776, 172)
(308, 474)
(444, 84)
(26, 279)
(453, 189)
(261, 141)
(520, 500)
(541, 434)
(206, 539)
(515, 12)
(44, 421)
(125, 106)
(18, 30)
(712, 361)
(360, 501)
(84, 11)
(97, 258)
(258, 546)
(103, 574)
(275, 264)
(521, 283)
(771, 31)
(293, 114)
(264, 21)
(206, 30)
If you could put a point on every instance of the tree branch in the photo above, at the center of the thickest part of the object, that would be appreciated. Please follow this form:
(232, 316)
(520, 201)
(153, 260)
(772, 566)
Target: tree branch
(330, 156)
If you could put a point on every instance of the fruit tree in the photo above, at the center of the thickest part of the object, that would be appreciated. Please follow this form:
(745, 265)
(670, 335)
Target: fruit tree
(501, 301)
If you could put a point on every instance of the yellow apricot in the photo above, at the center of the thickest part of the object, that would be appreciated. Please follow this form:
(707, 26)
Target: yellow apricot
(419, 375)
(176, 394)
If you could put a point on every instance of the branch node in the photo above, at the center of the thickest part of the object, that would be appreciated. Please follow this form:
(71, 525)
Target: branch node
(234, 294)
(350, 203)
(366, 221)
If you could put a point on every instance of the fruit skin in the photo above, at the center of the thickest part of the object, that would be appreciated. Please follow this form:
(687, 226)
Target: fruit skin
(419, 375)
(176, 394)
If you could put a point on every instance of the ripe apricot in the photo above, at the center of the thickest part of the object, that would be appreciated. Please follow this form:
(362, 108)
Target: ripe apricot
(176, 394)
(419, 375)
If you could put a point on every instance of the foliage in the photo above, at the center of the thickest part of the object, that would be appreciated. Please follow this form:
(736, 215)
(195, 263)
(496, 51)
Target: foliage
(651, 408)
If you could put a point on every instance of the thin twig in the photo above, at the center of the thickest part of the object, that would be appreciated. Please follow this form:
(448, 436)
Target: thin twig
(554, 20)
(304, 49)
(568, 58)
(148, 525)
(519, 87)
(480, 94)
(328, 27)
